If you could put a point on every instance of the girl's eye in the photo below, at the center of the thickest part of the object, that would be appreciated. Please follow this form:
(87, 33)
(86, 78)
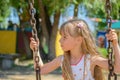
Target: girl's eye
(64, 37)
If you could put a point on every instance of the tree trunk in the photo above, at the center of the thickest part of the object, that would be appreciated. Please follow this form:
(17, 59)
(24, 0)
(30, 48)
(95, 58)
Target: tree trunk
(53, 36)
(49, 31)
(27, 48)
(43, 22)
(76, 11)
(48, 22)
(45, 33)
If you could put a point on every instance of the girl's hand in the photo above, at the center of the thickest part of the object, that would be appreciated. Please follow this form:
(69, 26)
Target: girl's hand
(34, 44)
(112, 36)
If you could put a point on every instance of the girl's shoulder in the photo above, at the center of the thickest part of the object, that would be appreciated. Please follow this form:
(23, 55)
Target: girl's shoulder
(93, 61)
(95, 56)
(91, 57)
(96, 59)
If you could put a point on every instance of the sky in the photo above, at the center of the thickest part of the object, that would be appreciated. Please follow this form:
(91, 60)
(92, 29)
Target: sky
(13, 16)
(64, 16)
(81, 15)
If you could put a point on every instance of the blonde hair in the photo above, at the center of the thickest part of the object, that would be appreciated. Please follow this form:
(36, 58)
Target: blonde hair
(88, 46)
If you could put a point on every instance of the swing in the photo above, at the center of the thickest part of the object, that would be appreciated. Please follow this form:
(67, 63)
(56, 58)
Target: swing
(110, 51)
(34, 34)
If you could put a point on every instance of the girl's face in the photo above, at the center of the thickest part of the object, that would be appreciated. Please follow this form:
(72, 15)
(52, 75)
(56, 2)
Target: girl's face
(67, 42)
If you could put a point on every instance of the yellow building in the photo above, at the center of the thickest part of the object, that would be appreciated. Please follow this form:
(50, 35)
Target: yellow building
(58, 48)
(7, 42)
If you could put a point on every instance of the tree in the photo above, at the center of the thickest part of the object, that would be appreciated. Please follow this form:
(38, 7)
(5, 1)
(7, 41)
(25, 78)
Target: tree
(96, 8)
(24, 16)
(4, 12)
(56, 7)
(4, 9)
(47, 8)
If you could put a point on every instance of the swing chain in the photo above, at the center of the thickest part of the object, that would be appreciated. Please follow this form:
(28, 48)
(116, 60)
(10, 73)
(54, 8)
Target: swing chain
(34, 34)
(32, 20)
(108, 9)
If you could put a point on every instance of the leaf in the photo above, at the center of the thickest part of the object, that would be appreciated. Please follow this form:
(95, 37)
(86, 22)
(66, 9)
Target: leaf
(75, 2)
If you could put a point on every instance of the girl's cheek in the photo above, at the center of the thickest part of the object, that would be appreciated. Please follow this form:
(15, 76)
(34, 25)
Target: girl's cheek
(61, 40)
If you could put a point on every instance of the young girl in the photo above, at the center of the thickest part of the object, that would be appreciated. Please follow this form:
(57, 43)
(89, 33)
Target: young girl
(80, 60)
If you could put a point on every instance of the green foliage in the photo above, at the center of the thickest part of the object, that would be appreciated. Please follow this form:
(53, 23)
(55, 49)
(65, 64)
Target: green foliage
(115, 10)
(96, 8)
(36, 5)
(6, 4)
(4, 9)
(103, 52)
(19, 4)
(101, 26)
(22, 7)
(56, 5)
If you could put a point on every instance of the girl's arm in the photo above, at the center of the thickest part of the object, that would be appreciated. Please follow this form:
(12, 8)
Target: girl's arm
(102, 62)
(51, 66)
(116, 50)
(48, 67)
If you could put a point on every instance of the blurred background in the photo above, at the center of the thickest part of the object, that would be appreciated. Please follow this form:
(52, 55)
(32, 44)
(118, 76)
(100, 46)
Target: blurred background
(16, 61)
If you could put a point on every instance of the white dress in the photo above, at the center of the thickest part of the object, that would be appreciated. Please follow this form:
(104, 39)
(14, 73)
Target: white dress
(78, 69)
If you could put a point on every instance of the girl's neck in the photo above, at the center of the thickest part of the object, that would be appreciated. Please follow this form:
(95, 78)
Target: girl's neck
(76, 54)
(75, 57)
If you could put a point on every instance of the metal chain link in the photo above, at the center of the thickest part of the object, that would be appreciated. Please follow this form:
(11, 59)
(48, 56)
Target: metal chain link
(34, 34)
(111, 74)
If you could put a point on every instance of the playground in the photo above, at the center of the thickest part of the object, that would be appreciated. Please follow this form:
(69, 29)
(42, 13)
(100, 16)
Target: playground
(24, 22)
(30, 75)
(26, 75)
(24, 71)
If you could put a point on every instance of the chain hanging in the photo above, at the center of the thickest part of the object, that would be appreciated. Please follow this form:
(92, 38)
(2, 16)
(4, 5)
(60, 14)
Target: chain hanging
(34, 34)
(111, 74)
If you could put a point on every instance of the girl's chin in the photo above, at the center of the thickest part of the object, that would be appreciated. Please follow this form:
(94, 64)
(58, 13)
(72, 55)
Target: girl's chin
(65, 50)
